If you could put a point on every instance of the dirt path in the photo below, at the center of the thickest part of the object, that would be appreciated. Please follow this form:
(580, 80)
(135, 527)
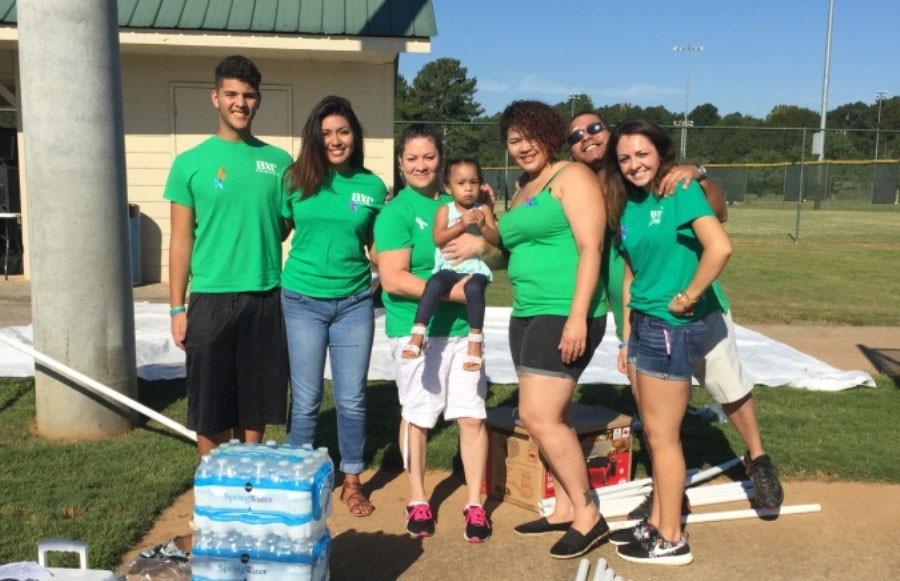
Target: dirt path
(850, 539)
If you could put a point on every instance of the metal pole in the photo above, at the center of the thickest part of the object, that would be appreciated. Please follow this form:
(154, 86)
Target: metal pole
(82, 304)
(824, 110)
(796, 235)
(879, 96)
(687, 49)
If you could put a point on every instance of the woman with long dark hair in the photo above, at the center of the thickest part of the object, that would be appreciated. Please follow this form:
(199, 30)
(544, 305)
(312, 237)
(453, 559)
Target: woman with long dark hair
(674, 248)
(331, 201)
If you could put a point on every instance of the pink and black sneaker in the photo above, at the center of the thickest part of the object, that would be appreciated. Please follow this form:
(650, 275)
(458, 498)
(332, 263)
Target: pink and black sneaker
(419, 519)
(478, 525)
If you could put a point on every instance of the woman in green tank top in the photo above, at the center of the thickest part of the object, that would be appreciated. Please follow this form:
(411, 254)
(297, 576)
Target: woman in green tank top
(554, 233)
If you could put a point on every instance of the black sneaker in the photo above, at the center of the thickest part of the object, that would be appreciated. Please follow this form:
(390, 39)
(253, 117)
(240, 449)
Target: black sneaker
(658, 551)
(419, 520)
(575, 544)
(642, 511)
(541, 527)
(768, 492)
(642, 531)
(478, 525)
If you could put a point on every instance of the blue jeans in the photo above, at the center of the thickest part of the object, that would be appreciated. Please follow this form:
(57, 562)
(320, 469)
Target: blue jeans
(661, 349)
(345, 327)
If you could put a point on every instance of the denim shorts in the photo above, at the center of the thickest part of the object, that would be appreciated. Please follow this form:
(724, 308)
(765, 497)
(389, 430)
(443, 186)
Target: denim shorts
(661, 349)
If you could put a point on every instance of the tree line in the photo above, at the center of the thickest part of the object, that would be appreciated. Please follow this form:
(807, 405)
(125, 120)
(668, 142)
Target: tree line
(444, 93)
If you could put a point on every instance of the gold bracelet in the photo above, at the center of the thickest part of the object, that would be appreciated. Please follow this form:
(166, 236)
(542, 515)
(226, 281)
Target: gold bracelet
(683, 297)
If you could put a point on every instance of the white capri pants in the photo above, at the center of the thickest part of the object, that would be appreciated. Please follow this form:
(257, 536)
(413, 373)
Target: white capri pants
(720, 370)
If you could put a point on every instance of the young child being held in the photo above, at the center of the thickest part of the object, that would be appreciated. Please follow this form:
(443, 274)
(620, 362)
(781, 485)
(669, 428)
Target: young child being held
(463, 215)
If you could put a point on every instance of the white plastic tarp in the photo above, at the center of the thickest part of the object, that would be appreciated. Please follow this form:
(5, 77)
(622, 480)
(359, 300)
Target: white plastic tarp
(768, 362)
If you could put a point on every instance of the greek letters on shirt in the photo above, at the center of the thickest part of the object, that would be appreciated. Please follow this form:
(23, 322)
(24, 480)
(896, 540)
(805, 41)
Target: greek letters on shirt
(357, 199)
(266, 167)
(655, 216)
(422, 224)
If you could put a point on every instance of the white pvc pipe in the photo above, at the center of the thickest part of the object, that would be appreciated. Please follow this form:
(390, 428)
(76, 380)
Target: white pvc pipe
(583, 567)
(731, 515)
(97, 387)
(717, 498)
(693, 476)
(700, 496)
(600, 569)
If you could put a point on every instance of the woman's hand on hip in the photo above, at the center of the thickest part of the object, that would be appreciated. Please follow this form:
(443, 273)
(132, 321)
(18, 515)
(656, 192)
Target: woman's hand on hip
(573, 341)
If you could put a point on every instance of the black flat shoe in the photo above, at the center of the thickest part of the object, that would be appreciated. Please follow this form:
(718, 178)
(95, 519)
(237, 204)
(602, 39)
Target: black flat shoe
(575, 544)
(541, 526)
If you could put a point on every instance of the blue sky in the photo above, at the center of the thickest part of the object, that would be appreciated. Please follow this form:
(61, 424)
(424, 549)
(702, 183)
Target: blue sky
(757, 53)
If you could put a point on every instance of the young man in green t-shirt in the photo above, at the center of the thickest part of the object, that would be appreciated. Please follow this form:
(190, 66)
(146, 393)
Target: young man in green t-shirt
(226, 239)
(721, 371)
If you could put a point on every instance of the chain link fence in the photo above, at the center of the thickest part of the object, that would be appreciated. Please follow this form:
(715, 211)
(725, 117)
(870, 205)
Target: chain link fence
(771, 168)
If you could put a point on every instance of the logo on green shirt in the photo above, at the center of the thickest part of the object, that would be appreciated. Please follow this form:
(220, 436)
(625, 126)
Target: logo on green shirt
(422, 224)
(655, 216)
(266, 167)
(358, 198)
(219, 180)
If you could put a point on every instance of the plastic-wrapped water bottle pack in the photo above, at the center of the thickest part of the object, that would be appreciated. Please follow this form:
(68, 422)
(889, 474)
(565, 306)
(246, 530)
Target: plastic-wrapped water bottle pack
(259, 511)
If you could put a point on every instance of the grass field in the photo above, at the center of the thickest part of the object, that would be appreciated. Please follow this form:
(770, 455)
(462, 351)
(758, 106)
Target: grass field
(843, 270)
(107, 493)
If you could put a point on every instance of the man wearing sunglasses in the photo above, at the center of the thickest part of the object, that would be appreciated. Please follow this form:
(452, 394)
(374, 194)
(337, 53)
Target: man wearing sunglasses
(720, 371)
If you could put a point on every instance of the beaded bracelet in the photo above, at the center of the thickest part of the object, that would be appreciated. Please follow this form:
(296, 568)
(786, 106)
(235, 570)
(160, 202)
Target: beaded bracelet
(178, 309)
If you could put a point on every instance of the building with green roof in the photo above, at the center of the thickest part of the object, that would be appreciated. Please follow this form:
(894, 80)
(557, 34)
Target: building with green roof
(306, 49)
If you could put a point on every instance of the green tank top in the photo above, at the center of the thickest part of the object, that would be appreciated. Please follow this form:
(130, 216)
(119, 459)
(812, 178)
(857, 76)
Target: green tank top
(543, 258)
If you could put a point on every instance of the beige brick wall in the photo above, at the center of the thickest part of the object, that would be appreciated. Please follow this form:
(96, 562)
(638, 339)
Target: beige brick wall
(151, 143)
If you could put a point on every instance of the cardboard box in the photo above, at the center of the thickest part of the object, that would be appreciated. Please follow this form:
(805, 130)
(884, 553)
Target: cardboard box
(516, 472)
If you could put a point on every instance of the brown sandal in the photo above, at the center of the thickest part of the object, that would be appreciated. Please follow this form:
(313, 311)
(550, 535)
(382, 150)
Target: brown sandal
(352, 495)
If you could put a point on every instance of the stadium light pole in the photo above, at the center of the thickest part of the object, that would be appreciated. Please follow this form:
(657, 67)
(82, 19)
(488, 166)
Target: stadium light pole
(688, 49)
(880, 96)
(572, 97)
(819, 139)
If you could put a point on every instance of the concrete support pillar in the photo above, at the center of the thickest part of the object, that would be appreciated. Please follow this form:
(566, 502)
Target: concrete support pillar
(83, 309)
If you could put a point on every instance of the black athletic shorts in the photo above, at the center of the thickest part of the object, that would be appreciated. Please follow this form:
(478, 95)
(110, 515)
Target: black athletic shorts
(534, 343)
(237, 367)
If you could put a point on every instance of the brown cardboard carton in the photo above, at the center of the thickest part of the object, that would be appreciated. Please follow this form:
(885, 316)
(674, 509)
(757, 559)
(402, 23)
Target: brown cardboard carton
(517, 473)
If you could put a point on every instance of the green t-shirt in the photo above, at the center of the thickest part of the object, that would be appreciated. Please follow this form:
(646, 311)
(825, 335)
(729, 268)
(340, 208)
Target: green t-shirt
(328, 258)
(663, 250)
(611, 275)
(543, 259)
(408, 222)
(234, 189)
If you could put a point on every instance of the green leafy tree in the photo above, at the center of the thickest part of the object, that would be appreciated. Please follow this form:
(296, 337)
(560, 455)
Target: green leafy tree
(705, 114)
(443, 91)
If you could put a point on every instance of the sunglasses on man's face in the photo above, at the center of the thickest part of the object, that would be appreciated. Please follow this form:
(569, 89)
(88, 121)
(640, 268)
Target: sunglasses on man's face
(578, 134)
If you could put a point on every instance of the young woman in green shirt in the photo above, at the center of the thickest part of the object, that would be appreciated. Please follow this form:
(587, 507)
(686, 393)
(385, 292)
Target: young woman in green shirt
(331, 201)
(674, 248)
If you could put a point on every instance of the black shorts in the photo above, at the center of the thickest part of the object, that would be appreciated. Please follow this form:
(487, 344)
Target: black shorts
(534, 343)
(237, 367)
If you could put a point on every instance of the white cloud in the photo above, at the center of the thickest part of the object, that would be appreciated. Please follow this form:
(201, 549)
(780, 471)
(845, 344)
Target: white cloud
(491, 86)
(535, 85)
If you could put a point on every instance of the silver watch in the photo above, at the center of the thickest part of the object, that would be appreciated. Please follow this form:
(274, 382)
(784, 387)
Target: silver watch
(703, 173)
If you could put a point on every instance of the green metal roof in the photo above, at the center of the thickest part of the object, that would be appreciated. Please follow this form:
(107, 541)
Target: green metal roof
(397, 18)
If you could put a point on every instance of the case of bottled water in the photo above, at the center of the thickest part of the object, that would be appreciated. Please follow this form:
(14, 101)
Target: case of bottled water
(259, 513)
(238, 557)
